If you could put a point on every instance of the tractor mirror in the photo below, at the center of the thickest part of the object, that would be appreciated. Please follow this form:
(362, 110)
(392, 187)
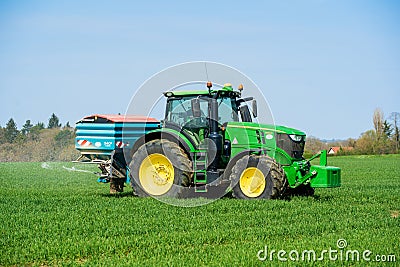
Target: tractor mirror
(245, 114)
(254, 108)
(196, 108)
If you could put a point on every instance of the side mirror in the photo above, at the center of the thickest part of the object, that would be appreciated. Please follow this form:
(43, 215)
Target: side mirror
(254, 108)
(196, 108)
(245, 114)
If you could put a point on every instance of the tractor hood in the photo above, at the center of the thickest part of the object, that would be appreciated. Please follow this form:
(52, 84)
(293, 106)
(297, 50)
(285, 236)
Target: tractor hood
(287, 144)
(265, 127)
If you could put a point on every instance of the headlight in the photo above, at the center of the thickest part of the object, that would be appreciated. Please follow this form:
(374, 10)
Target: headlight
(296, 138)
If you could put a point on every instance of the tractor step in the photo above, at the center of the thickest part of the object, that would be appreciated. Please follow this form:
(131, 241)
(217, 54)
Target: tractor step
(201, 177)
(200, 171)
(200, 166)
(200, 187)
(200, 181)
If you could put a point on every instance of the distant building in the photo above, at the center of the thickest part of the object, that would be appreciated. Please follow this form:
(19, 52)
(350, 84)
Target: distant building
(336, 149)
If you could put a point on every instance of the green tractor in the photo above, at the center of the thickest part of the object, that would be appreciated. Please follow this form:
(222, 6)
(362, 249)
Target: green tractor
(208, 145)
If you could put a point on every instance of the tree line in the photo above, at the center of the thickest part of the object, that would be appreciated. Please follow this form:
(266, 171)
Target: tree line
(55, 142)
(37, 142)
(382, 139)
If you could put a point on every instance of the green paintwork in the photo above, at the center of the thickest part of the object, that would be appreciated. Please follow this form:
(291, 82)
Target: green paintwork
(190, 145)
(327, 176)
(245, 135)
(249, 135)
(188, 93)
(266, 127)
(227, 88)
(300, 172)
(291, 174)
(323, 160)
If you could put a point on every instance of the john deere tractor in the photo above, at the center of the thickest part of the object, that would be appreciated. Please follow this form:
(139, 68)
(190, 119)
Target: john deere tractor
(208, 145)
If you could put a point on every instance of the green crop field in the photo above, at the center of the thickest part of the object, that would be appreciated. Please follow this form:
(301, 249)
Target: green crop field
(53, 216)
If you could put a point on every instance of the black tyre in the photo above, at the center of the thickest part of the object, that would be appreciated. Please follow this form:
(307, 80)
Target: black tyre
(257, 177)
(160, 168)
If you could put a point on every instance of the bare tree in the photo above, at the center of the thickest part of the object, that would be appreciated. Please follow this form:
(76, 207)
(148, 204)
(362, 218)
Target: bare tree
(351, 142)
(314, 145)
(395, 117)
(378, 123)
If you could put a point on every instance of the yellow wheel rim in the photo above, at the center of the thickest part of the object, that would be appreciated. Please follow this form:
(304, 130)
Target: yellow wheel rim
(156, 174)
(252, 182)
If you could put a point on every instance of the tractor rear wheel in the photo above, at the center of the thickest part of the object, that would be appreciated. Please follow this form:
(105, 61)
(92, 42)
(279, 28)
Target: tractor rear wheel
(160, 168)
(257, 177)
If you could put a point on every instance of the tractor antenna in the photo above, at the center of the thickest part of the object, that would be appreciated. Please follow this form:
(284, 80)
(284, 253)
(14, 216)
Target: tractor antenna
(205, 66)
(209, 84)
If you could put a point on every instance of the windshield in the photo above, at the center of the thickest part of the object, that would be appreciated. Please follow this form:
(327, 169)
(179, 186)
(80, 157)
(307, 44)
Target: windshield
(179, 110)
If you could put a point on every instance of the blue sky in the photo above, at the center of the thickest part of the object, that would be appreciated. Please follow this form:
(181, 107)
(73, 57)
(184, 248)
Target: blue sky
(324, 66)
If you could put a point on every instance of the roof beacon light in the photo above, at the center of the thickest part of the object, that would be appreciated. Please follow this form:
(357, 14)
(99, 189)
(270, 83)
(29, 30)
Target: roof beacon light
(227, 87)
(209, 85)
(240, 88)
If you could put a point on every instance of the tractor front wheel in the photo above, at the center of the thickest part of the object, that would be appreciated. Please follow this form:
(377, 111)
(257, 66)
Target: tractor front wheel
(257, 177)
(159, 168)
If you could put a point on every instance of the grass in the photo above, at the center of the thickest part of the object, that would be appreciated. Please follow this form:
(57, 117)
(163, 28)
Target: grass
(51, 216)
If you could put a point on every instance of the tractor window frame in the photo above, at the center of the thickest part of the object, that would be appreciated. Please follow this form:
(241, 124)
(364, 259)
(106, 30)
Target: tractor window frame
(227, 109)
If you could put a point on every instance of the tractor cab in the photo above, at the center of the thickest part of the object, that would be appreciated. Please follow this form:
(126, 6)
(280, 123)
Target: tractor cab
(194, 111)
